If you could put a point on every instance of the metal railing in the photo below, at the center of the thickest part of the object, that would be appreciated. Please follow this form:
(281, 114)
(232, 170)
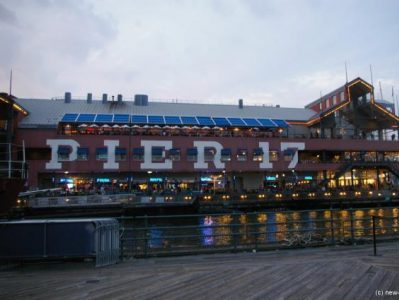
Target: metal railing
(107, 244)
(376, 220)
(193, 234)
(92, 200)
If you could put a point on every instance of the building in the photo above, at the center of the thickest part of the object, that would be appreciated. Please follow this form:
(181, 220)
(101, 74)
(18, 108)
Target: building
(114, 145)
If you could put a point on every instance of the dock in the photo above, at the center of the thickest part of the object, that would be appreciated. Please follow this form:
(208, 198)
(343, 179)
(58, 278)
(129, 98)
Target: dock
(339, 272)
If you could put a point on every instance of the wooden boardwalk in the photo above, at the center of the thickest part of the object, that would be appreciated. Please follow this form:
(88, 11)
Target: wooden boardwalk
(343, 272)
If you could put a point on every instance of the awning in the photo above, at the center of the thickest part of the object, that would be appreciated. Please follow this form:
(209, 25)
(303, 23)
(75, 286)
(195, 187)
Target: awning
(120, 151)
(138, 151)
(101, 151)
(242, 151)
(64, 150)
(258, 151)
(226, 152)
(157, 151)
(83, 151)
(209, 151)
(192, 151)
(290, 151)
(174, 151)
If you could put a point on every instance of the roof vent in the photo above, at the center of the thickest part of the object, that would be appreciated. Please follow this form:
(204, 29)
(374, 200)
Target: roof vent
(141, 100)
(68, 97)
(89, 98)
(120, 98)
(240, 103)
(105, 98)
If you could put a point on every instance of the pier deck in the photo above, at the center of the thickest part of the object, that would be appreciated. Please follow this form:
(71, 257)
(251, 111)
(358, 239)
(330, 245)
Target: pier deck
(342, 272)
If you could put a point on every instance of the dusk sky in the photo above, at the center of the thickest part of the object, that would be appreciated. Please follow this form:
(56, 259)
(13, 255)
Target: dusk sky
(263, 51)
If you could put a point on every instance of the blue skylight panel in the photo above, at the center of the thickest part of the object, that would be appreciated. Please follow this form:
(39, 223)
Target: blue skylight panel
(205, 121)
(189, 121)
(136, 119)
(251, 122)
(86, 118)
(121, 118)
(172, 120)
(236, 121)
(267, 123)
(102, 118)
(221, 122)
(281, 123)
(156, 120)
(69, 118)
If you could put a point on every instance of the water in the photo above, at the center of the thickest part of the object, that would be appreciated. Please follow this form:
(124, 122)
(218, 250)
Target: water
(262, 229)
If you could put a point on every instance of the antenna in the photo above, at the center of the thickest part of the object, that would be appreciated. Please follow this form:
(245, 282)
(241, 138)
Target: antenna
(10, 82)
(379, 82)
(371, 75)
(346, 72)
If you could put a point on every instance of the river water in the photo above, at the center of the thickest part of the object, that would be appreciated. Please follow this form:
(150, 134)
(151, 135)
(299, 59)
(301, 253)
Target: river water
(260, 228)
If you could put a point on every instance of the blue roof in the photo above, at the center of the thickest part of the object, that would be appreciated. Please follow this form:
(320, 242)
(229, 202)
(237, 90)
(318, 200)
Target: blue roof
(102, 118)
(251, 122)
(136, 119)
(86, 118)
(172, 120)
(175, 120)
(122, 118)
(236, 121)
(69, 118)
(189, 121)
(281, 123)
(156, 120)
(221, 122)
(205, 121)
(267, 123)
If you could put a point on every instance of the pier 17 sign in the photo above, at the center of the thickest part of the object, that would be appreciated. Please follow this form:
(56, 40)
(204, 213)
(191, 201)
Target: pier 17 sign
(110, 163)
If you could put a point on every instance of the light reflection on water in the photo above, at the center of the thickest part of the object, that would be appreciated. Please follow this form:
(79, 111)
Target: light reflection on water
(270, 227)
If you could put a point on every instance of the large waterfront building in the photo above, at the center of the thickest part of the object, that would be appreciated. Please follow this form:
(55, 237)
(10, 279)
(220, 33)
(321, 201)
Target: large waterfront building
(343, 140)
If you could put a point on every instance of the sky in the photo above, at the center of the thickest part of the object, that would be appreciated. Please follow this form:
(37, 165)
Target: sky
(268, 52)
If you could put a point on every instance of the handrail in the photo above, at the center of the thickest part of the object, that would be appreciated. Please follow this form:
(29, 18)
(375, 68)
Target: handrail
(169, 235)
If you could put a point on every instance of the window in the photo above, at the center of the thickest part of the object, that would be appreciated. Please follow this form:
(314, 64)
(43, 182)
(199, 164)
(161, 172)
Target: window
(83, 153)
(101, 154)
(342, 96)
(209, 154)
(321, 105)
(242, 155)
(226, 154)
(157, 153)
(174, 154)
(258, 155)
(63, 153)
(138, 154)
(289, 153)
(335, 100)
(192, 154)
(328, 103)
(120, 154)
(273, 155)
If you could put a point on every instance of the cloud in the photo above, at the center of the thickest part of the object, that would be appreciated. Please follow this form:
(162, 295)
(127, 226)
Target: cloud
(7, 16)
(276, 51)
(52, 37)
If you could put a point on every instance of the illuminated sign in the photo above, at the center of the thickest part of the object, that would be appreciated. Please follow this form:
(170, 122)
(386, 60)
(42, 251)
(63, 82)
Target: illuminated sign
(270, 178)
(308, 177)
(206, 179)
(66, 180)
(103, 180)
(156, 179)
